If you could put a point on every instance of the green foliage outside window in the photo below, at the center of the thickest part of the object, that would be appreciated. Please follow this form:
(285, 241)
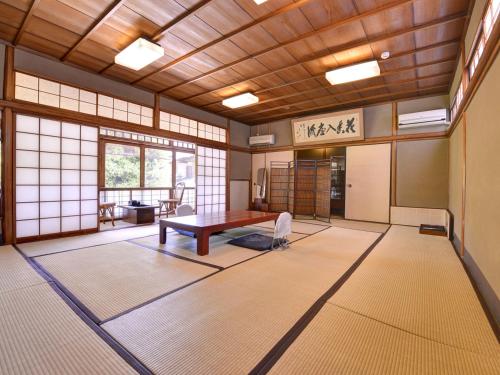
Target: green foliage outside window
(157, 168)
(122, 166)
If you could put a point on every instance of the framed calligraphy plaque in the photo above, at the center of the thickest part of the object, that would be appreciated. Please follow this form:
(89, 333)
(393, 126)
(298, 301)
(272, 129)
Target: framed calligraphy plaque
(334, 127)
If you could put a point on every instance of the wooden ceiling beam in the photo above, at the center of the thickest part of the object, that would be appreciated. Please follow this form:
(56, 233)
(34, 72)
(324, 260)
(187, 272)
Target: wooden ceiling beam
(108, 12)
(346, 47)
(255, 22)
(162, 31)
(322, 75)
(313, 33)
(301, 93)
(349, 104)
(354, 91)
(26, 20)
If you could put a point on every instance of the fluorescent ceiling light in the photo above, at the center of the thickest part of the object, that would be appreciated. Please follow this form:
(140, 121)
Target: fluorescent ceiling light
(240, 100)
(353, 72)
(139, 54)
(258, 2)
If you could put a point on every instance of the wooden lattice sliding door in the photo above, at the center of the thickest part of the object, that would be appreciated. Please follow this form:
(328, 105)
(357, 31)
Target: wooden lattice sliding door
(305, 185)
(323, 190)
(279, 186)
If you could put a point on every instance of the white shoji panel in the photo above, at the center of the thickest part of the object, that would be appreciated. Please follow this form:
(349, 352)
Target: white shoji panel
(184, 125)
(56, 186)
(211, 180)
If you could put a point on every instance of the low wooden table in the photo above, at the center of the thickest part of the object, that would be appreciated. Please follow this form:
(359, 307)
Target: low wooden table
(204, 225)
(139, 214)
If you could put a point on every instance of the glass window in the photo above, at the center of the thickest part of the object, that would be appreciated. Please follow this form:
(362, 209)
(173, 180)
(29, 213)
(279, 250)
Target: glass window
(157, 168)
(122, 166)
(184, 168)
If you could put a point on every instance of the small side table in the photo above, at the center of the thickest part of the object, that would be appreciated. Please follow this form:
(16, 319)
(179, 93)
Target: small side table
(108, 207)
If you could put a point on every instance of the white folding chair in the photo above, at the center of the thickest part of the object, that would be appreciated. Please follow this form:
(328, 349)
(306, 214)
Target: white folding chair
(184, 210)
(282, 229)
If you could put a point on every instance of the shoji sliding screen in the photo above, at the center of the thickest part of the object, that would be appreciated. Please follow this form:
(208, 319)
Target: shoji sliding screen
(56, 177)
(210, 180)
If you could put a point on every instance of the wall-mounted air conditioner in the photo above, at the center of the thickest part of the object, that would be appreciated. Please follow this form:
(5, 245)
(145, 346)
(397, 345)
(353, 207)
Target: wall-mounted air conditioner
(261, 140)
(426, 118)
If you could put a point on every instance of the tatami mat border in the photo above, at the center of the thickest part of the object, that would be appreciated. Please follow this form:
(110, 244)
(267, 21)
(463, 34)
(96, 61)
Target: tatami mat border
(282, 345)
(135, 363)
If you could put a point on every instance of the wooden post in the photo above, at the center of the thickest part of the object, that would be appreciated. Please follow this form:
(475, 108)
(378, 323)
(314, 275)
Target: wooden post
(8, 176)
(394, 154)
(8, 226)
(464, 180)
(156, 112)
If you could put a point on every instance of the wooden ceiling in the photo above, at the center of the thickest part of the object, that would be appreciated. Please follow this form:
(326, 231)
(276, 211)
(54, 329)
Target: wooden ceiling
(278, 50)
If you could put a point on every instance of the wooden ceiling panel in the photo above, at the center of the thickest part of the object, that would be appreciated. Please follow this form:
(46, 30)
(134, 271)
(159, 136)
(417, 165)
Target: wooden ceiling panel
(10, 15)
(160, 81)
(445, 52)
(435, 81)
(439, 33)
(402, 43)
(23, 5)
(250, 68)
(91, 8)
(277, 59)
(288, 25)
(271, 80)
(427, 10)
(131, 23)
(183, 71)
(183, 92)
(225, 52)
(354, 55)
(43, 45)
(399, 62)
(389, 21)
(343, 35)
(306, 48)
(194, 31)
(256, 10)
(175, 46)
(7, 32)
(322, 65)
(110, 37)
(246, 86)
(89, 62)
(254, 39)
(60, 14)
(294, 73)
(406, 75)
(437, 68)
(51, 32)
(227, 76)
(324, 12)
(92, 48)
(224, 15)
(202, 62)
(160, 12)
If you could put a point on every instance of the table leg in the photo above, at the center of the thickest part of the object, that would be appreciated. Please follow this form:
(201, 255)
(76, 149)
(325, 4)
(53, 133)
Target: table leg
(163, 233)
(113, 215)
(202, 242)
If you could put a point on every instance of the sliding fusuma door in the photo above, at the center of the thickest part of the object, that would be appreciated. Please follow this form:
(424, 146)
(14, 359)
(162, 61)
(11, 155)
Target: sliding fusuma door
(55, 177)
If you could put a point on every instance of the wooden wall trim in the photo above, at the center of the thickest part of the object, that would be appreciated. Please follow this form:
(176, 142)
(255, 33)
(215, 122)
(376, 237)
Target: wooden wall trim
(8, 176)
(9, 74)
(464, 183)
(394, 155)
(366, 141)
(156, 112)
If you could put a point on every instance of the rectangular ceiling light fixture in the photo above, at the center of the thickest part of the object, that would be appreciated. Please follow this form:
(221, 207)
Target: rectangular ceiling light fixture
(240, 100)
(140, 53)
(258, 2)
(353, 72)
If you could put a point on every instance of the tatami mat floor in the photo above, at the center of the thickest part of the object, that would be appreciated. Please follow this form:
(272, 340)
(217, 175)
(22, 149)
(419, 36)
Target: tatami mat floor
(408, 308)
